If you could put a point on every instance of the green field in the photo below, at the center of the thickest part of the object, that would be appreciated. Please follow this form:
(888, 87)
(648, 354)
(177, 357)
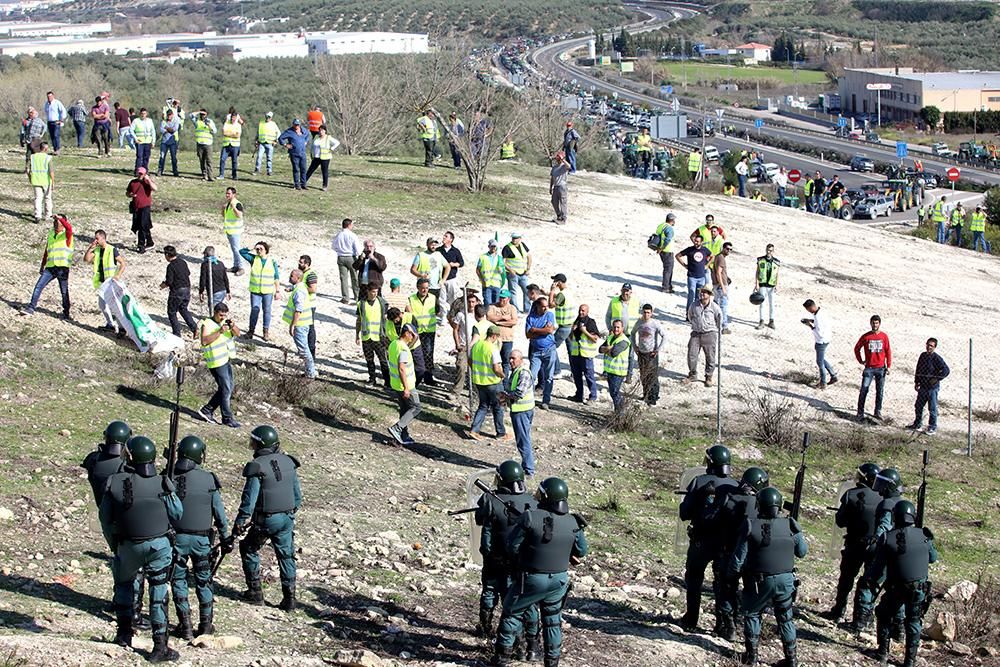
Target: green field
(674, 72)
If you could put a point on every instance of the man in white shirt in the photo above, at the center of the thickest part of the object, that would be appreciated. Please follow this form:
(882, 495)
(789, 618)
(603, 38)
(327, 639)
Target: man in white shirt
(348, 247)
(742, 172)
(822, 333)
(55, 116)
(781, 182)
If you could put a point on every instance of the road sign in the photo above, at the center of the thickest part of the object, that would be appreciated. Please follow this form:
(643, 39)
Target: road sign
(901, 150)
(954, 174)
(675, 105)
(879, 86)
(719, 113)
(794, 175)
(841, 122)
(758, 123)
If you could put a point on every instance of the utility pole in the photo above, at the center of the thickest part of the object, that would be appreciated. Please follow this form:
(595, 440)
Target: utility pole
(700, 180)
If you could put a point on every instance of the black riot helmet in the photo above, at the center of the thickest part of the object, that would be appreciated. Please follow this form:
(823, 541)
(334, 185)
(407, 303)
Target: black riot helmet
(867, 473)
(116, 434)
(510, 476)
(888, 483)
(264, 436)
(191, 447)
(904, 514)
(754, 478)
(552, 495)
(141, 450)
(717, 460)
(768, 502)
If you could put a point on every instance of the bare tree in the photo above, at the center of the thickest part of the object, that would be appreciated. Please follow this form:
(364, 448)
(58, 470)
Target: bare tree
(27, 86)
(431, 78)
(361, 92)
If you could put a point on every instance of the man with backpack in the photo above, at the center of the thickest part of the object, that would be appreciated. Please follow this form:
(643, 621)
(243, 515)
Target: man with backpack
(662, 242)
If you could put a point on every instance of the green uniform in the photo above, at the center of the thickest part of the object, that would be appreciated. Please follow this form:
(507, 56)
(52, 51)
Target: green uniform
(271, 496)
(733, 505)
(136, 510)
(200, 494)
(856, 514)
(765, 554)
(498, 571)
(540, 544)
(704, 544)
(865, 601)
(901, 559)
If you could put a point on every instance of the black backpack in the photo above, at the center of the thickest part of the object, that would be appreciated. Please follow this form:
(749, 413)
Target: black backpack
(654, 241)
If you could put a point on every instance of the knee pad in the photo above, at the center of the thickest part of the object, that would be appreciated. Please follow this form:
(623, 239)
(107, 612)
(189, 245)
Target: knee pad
(783, 613)
(158, 577)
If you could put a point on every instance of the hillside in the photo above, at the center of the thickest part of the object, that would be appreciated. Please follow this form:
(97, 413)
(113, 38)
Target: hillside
(381, 566)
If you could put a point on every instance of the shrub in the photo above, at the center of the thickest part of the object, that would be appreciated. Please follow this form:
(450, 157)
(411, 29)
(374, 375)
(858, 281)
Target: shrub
(600, 160)
(678, 174)
(773, 417)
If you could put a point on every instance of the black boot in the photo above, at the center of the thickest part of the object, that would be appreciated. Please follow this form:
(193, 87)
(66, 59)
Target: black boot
(896, 630)
(253, 594)
(532, 651)
(288, 602)
(724, 627)
(183, 627)
(205, 624)
(749, 655)
(123, 634)
(485, 626)
(140, 622)
(161, 652)
(551, 662)
(790, 659)
(689, 621)
(882, 653)
(502, 656)
(910, 659)
(834, 614)
(861, 622)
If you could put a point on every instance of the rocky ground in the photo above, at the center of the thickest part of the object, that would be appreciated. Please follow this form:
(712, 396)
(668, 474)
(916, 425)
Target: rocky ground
(383, 569)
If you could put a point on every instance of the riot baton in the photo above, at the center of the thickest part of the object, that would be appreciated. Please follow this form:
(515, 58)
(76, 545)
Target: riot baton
(462, 511)
(175, 418)
(491, 493)
(922, 491)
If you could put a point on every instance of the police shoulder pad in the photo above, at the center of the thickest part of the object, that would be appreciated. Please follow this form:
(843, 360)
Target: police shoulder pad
(168, 484)
(928, 533)
(215, 478)
(88, 463)
(794, 525)
(295, 461)
(580, 521)
(251, 469)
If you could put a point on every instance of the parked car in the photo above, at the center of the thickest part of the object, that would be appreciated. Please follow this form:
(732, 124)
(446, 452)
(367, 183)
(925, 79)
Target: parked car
(711, 154)
(941, 149)
(766, 172)
(872, 207)
(862, 163)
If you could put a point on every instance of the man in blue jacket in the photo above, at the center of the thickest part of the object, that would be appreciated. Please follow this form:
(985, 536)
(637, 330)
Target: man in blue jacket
(295, 139)
(931, 369)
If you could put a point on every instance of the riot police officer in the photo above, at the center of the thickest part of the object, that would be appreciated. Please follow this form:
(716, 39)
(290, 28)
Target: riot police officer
(890, 486)
(542, 543)
(704, 545)
(271, 497)
(732, 507)
(498, 573)
(136, 510)
(901, 559)
(201, 495)
(856, 515)
(765, 553)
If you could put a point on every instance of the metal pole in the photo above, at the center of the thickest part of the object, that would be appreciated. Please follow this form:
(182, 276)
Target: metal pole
(468, 339)
(718, 383)
(211, 292)
(968, 442)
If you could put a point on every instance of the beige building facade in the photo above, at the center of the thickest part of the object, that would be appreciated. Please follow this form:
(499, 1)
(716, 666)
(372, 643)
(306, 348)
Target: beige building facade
(909, 91)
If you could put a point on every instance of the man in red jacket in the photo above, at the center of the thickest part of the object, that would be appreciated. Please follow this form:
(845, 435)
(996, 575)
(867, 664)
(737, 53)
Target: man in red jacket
(877, 360)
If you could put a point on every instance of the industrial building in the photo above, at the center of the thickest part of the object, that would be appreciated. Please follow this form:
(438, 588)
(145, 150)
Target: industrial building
(30, 29)
(237, 46)
(902, 92)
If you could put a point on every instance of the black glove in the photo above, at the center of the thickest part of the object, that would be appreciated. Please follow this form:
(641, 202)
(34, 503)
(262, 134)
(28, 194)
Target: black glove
(227, 544)
(238, 530)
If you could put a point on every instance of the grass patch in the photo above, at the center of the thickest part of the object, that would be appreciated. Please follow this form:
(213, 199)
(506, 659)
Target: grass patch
(675, 72)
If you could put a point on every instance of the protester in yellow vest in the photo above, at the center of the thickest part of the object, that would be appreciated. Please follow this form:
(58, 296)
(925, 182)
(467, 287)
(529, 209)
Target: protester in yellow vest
(264, 282)
(395, 320)
(232, 132)
(423, 306)
(311, 280)
(939, 217)
(694, 163)
(665, 249)
(644, 146)
(145, 136)
(427, 131)
(216, 335)
(757, 196)
(56, 260)
(955, 223)
(232, 224)
(617, 360)
(204, 128)
(492, 272)
(517, 262)
(370, 332)
(977, 225)
(298, 317)
(42, 177)
(583, 343)
(403, 381)
(267, 137)
(108, 264)
(508, 150)
(487, 375)
(323, 146)
(519, 394)
(729, 190)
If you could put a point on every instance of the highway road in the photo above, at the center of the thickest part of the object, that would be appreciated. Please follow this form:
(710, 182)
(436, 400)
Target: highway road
(555, 59)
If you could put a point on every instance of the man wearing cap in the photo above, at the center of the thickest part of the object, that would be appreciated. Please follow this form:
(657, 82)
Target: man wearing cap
(462, 327)
(395, 298)
(583, 343)
(267, 136)
(720, 282)
(204, 129)
(616, 351)
(169, 127)
(492, 272)
(706, 321)
(487, 375)
(140, 194)
(539, 326)
(623, 308)
(519, 394)
(430, 265)
(403, 381)
(517, 260)
(504, 316)
(423, 305)
(665, 249)
(558, 188)
(647, 339)
(565, 313)
(571, 140)
(295, 139)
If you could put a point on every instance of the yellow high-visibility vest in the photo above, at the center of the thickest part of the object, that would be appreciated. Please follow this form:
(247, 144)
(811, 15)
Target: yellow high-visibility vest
(392, 331)
(305, 281)
(937, 212)
(616, 364)
(526, 402)
(978, 222)
(489, 266)
(645, 143)
(482, 364)
(217, 352)
(584, 347)
(694, 162)
(203, 133)
(58, 254)
(398, 352)
(518, 263)
(104, 259)
(305, 316)
(371, 319)
(325, 145)
(565, 313)
(628, 314)
(262, 275)
(267, 132)
(231, 133)
(427, 127)
(232, 223)
(40, 163)
(425, 313)
(143, 130)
